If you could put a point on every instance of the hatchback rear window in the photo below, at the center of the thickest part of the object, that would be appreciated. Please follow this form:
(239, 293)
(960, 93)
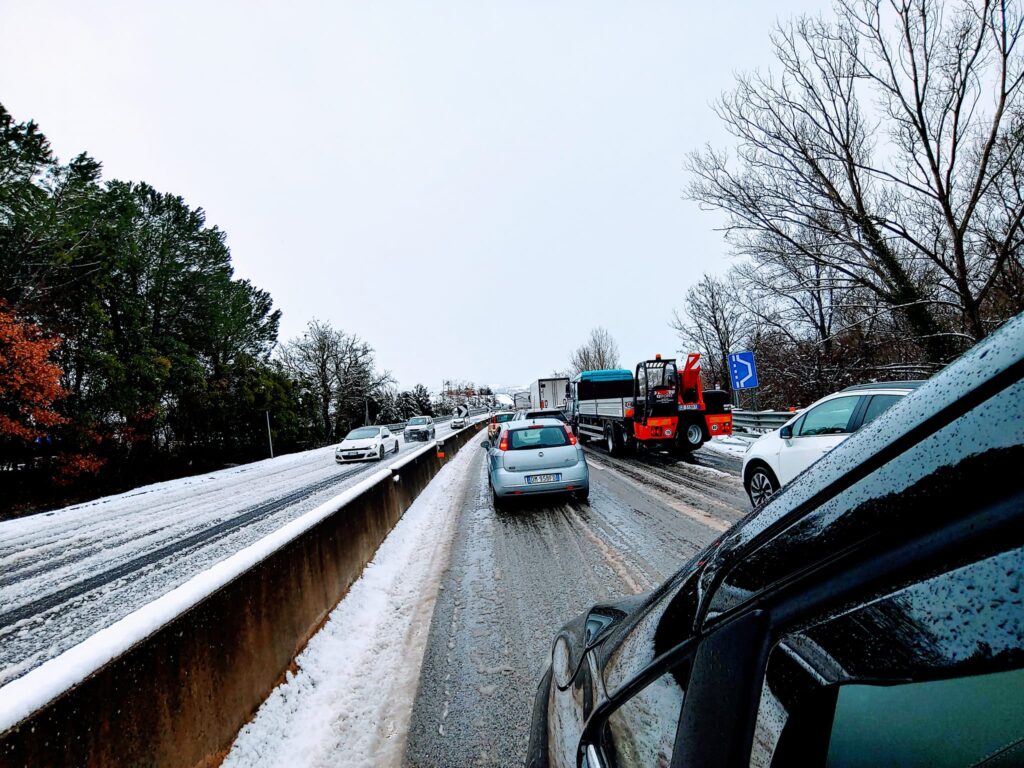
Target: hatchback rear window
(537, 437)
(501, 418)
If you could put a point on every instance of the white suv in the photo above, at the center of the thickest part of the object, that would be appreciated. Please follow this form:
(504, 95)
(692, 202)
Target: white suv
(774, 459)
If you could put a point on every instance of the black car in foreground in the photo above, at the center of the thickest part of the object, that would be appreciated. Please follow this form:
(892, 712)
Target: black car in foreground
(870, 614)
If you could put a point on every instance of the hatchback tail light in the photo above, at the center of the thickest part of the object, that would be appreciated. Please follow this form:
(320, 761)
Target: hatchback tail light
(503, 443)
(572, 437)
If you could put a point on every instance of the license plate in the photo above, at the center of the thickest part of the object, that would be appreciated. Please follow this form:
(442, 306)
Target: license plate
(352, 455)
(534, 479)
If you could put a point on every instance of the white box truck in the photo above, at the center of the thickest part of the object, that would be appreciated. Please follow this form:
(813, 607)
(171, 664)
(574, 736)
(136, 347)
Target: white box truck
(548, 393)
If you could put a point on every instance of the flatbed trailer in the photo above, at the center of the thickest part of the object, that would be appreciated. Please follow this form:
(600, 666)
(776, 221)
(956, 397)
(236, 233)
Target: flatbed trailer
(656, 406)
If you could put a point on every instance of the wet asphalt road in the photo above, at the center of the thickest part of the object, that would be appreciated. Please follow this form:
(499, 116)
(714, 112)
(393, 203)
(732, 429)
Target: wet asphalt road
(515, 576)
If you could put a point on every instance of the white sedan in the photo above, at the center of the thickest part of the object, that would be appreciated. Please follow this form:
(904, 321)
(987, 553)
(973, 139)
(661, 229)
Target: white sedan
(774, 459)
(366, 443)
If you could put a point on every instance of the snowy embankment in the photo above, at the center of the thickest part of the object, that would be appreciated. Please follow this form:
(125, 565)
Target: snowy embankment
(350, 700)
(735, 445)
(67, 574)
(31, 692)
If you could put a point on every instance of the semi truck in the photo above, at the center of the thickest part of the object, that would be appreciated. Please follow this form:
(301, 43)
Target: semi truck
(656, 405)
(548, 393)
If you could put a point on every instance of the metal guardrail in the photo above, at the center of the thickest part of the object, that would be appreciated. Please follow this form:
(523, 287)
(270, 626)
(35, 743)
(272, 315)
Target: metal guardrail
(760, 421)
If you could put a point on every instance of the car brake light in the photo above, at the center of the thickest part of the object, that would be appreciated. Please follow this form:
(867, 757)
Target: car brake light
(503, 443)
(572, 437)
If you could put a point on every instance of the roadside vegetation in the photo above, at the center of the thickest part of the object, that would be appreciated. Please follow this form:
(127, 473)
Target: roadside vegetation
(129, 351)
(873, 197)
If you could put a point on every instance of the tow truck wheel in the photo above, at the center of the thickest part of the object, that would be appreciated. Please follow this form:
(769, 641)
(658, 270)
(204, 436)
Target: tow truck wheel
(694, 436)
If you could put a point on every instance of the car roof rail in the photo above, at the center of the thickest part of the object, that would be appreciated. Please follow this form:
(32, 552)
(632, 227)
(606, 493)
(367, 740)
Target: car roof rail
(908, 384)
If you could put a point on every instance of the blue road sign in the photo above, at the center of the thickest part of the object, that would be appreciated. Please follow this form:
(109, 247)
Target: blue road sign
(742, 370)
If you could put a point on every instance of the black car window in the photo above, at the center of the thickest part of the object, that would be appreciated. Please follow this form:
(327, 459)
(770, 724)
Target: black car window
(830, 418)
(878, 405)
(641, 732)
(901, 724)
(545, 415)
(537, 437)
(889, 679)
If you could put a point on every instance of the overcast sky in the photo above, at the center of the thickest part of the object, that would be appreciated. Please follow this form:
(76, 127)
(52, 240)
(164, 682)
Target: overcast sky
(471, 186)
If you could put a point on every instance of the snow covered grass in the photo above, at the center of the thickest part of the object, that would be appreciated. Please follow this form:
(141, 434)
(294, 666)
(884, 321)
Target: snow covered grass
(351, 699)
(736, 445)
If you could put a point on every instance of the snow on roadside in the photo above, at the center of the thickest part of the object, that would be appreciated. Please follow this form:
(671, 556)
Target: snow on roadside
(730, 446)
(351, 699)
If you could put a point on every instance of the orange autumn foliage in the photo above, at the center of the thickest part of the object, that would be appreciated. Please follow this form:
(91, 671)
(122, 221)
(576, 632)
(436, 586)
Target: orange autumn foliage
(29, 381)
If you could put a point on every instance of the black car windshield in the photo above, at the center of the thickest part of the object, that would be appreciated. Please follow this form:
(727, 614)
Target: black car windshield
(362, 433)
(418, 420)
(503, 417)
(537, 437)
(545, 415)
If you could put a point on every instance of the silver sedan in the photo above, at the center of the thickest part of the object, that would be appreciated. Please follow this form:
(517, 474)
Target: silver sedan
(536, 456)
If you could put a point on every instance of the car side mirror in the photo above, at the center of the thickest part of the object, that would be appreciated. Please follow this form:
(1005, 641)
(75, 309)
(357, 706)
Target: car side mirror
(485, 444)
(786, 432)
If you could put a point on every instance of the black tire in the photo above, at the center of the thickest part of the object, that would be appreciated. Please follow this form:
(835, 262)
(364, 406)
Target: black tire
(380, 453)
(397, 447)
(582, 496)
(611, 441)
(499, 503)
(761, 484)
(691, 437)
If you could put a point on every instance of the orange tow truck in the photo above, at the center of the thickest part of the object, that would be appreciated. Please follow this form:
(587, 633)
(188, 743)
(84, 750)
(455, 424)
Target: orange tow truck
(657, 406)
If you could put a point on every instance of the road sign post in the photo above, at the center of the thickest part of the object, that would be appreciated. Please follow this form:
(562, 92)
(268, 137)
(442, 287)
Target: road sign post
(742, 370)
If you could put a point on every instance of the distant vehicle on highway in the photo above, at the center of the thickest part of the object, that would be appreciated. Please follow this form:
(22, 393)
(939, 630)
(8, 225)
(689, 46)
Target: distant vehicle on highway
(775, 459)
(493, 428)
(549, 393)
(533, 457)
(656, 406)
(540, 413)
(419, 428)
(868, 611)
(460, 418)
(366, 443)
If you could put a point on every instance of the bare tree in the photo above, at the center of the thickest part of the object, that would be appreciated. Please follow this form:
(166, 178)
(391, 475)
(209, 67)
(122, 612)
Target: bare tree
(599, 352)
(338, 370)
(893, 134)
(713, 322)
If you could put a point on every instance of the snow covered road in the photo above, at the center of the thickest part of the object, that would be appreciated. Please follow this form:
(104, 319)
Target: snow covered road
(64, 575)
(350, 699)
(433, 656)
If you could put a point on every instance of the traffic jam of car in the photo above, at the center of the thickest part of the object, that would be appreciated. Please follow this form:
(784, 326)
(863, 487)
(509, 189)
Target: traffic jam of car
(869, 602)
(867, 610)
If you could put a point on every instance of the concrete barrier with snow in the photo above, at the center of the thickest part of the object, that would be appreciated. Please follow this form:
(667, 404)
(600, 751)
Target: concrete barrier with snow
(172, 683)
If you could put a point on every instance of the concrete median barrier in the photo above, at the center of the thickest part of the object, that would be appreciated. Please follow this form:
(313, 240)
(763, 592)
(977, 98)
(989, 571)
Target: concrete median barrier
(179, 691)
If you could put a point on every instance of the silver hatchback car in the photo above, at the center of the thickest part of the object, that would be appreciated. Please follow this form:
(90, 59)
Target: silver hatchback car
(536, 456)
